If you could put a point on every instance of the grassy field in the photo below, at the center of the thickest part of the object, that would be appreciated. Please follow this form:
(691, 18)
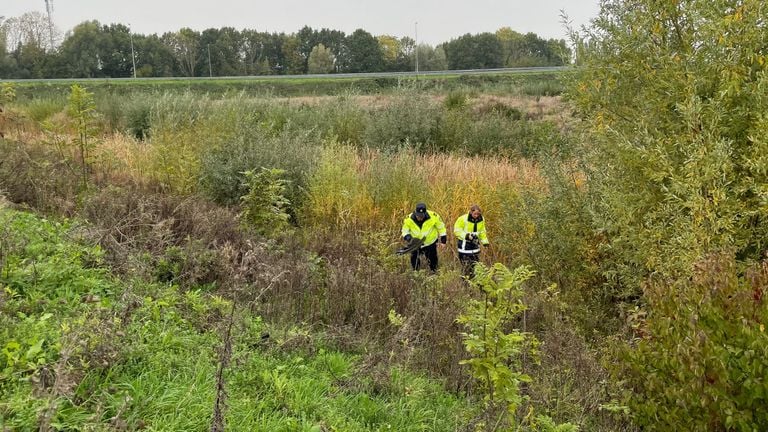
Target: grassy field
(542, 84)
(153, 184)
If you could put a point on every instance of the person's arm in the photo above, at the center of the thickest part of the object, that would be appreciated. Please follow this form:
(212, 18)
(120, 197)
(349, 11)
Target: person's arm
(405, 231)
(458, 229)
(440, 225)
(482, 234)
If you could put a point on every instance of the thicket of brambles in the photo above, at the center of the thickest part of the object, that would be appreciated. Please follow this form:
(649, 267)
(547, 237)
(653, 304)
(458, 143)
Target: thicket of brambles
(243, 245)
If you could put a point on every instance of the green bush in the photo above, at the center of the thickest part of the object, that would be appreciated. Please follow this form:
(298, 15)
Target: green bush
(138, 120)
(221, 174)
(676, 146)
(265, 206)
(7, 93)
(700, 355)
(42, 109)
(342, 120)
(455, 100)
(495, 351)
(410, 121)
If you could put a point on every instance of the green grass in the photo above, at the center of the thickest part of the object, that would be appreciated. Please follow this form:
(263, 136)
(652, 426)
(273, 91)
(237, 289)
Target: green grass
(135, 355)
(296, 86)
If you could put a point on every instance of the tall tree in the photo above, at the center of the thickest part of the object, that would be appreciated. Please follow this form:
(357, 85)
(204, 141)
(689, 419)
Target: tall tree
(474, 52)
(308, 40)
(336, 41)
(321, 60)
(293, 61)
(431, 59)
(365, 54)
(226, 52)
(116, 51)
(185, 46)
(390, 48)
(406, 53)
(153, 57)
(83, 50)
(255, 48)
(30, 29)
(7, 63)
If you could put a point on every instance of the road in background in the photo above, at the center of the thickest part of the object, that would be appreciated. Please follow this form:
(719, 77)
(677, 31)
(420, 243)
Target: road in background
(320, 76)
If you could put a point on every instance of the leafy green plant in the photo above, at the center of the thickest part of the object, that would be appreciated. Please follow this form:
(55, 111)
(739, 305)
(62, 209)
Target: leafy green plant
(496, 351)
(411, 120)
(81, 108)
(455, 100)
(677, 142)
(264, 207)
(139, 120)
(43, 109)
(7, 93)
(677, 147)
(698, 359)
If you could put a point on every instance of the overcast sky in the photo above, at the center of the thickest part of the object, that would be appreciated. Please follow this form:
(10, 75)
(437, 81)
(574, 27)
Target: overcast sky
(438, 20)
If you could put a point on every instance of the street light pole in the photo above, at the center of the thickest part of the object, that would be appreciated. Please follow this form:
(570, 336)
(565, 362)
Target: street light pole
(133, 54)
(416, 47)
(210, 69)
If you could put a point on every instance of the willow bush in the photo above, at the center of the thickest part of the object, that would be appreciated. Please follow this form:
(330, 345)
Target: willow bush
(674, 96)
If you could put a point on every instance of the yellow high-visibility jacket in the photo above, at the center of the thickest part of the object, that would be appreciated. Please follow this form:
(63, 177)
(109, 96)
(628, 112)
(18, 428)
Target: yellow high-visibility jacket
(464, 226)
(432, 228)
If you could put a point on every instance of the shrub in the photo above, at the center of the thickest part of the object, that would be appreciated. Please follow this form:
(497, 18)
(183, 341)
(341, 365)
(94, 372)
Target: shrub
(222, 178)
(343, 120)
(81, 109)
(138, 120)
(264, 207)
(699, 357)
(496, 353)
(42, 109)
(410, 121)
(336, 194)
(455, 100)
(7, 93)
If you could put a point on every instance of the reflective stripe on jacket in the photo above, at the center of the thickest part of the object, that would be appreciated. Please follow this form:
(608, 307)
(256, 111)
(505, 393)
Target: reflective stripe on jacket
(432, 228)
(464, 226)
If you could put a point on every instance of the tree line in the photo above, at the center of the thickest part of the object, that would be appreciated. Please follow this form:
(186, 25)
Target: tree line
(95, 50)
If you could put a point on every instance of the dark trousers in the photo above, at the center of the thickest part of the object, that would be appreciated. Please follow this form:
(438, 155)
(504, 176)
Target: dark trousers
(468, 262)
(430, 252)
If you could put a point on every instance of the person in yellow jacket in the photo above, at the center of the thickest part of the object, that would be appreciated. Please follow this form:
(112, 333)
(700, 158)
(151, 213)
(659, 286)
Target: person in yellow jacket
(470, 234)
(425, 225)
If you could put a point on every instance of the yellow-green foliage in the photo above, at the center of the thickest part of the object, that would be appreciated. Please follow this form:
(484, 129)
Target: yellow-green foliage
(675, 95)
(7, 93)
(183, 127)
(265, 204)
(337, 192)
(679, 139)
(496, 352)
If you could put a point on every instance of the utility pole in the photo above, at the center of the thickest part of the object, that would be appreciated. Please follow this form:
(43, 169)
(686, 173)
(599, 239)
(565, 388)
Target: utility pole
(210, 69)
(49, 11)
(416, 47)
(133, 54)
